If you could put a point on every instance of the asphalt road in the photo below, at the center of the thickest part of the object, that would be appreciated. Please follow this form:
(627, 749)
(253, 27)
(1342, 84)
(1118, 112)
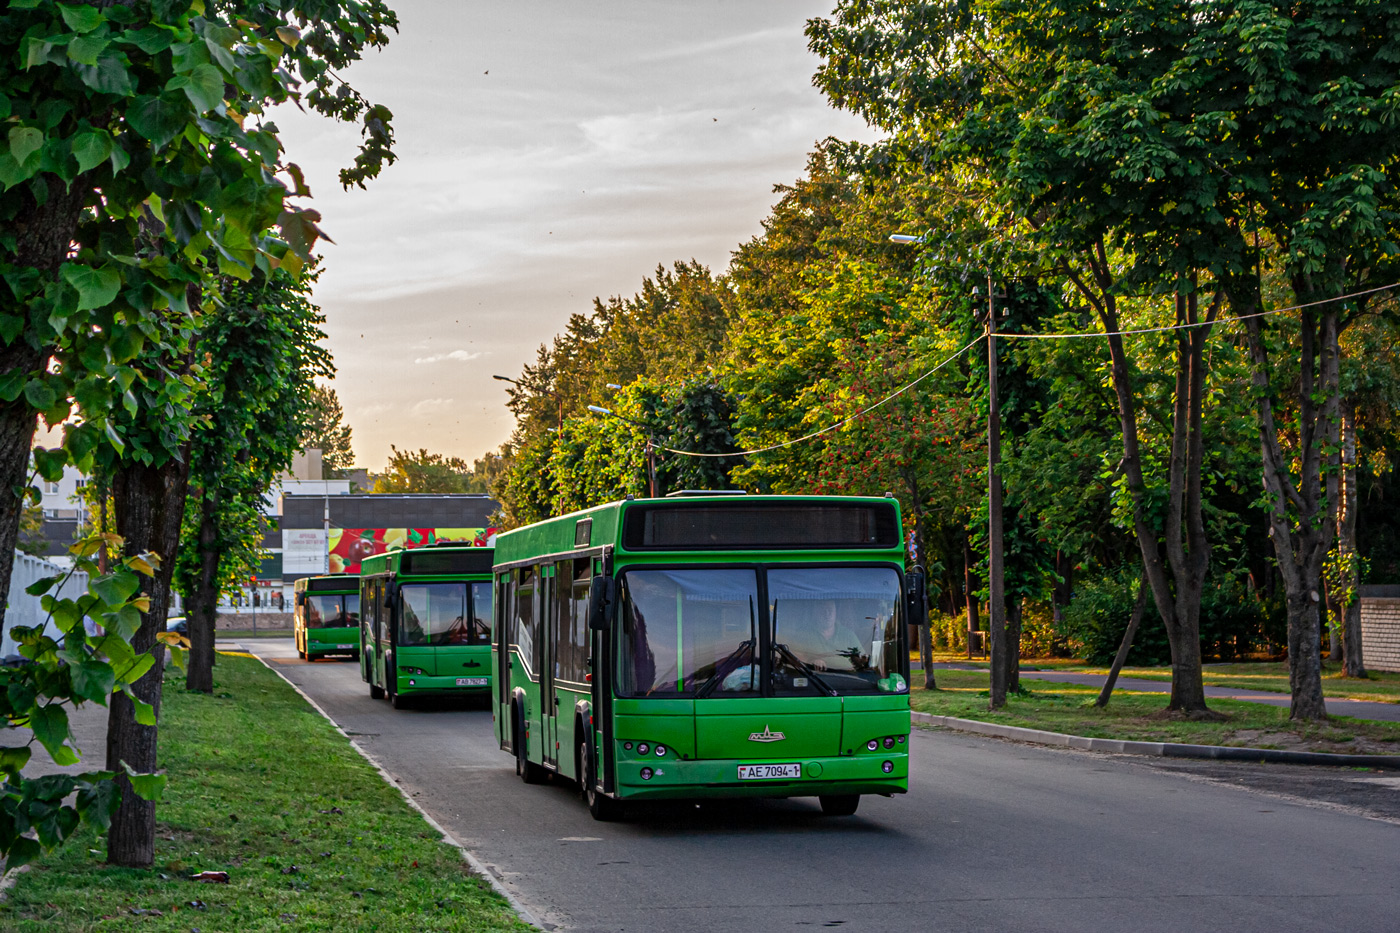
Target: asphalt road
(992, 836)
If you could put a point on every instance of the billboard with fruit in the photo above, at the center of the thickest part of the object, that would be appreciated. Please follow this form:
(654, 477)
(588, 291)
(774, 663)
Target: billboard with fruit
(349, 546)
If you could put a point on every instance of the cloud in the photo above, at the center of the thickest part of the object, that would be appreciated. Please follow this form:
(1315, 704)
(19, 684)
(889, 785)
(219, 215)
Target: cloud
(432, 406)
(460, 356)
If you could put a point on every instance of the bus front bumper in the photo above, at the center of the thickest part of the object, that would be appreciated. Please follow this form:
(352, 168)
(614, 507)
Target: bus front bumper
(847, 774)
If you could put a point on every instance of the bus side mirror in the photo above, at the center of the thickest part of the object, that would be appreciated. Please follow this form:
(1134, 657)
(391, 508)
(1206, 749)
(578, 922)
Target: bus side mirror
(916, 593)
(301, 599)
(600, 598)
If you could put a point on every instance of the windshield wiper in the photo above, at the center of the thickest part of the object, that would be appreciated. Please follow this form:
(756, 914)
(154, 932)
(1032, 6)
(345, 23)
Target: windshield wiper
(720, 672)
(805, 668)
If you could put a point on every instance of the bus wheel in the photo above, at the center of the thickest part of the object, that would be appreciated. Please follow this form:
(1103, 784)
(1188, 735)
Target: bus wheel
(529, 772)
(603, 808)
(839, 804)
(398, 701)
(376, 692)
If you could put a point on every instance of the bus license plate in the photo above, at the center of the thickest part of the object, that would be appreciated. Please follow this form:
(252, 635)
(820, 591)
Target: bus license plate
(471, 681)
(341, 647)
(768, 772)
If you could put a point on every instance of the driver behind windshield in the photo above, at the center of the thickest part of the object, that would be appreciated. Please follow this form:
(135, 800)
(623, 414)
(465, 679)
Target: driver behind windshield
(812, 631)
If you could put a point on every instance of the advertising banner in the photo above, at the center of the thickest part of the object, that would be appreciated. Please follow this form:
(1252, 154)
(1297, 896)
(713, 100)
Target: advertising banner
(304, 550)
(349, 546)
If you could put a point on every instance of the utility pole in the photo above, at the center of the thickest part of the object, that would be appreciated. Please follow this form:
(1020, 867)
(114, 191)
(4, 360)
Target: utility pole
(996, 608)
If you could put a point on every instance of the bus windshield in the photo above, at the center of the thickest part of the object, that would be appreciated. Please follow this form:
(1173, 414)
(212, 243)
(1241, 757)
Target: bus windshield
(436, 614)
(333, 610)
(697, 632)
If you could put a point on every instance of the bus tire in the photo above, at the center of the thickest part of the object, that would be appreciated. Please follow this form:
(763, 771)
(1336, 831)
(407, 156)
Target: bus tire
(839, 804)
(398, 701)
(376, 692)
(528, 771)
(601, 807)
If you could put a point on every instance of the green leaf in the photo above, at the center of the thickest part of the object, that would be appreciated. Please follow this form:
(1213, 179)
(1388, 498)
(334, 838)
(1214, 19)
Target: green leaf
(50, 463)
(115, 588)
(81, 19)
(85, 49)
(13, 760)
(42, 586)
(98, 801)
(158, 119)
(150, 40)
(92, 149)
(25, 140)
(24, 4)
(36, 51)
(109, 75)
(203, 85)
(39, 395)
(50, 725)
(96, 288)
(146, 786)
(93, 680)
(134, 672)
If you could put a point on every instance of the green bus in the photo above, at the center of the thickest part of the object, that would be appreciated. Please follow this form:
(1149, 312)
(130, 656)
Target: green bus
(705, 645)
(326, 615)
(426, 625)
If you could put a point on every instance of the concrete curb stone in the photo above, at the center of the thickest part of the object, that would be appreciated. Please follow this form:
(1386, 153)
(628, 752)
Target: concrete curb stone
(1157, 749)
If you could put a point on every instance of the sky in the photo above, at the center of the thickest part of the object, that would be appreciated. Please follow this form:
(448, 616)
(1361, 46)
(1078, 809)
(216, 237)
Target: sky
(548, 153)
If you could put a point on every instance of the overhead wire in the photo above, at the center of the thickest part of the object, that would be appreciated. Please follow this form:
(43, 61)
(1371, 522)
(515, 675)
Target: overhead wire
(1009, 335)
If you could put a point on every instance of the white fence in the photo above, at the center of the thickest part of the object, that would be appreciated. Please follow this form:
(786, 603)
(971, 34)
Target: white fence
(24, 609)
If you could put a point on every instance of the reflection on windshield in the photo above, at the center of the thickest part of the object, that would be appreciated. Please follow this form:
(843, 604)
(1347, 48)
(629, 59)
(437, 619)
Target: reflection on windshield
(696, 632)
(684, 630)
(436, 614)
(839, 627)
(333, 611)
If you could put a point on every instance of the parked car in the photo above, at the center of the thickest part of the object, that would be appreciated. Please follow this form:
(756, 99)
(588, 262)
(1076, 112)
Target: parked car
(178, 625)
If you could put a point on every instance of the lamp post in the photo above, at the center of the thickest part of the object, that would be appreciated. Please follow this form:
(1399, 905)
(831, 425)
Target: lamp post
(558, 397)
(652, 491)
(996, 555)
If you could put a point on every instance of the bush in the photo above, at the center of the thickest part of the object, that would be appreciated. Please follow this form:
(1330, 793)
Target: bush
(1234, 621)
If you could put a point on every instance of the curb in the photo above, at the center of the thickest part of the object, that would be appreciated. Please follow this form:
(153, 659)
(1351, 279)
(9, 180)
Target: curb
(475, 863)
(1157, 749)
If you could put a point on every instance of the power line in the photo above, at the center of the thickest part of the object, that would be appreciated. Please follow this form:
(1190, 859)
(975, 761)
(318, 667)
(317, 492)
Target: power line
(840, 424)
(1008, 335)
(1225, 320)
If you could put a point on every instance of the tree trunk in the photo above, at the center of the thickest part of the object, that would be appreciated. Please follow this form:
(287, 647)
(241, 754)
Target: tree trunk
(43, 235)
(1126, 645)
(148, 503)
(204, 600)
(926, 657)
(1064, 586)
(1299, 524)
(1176, 582)
(1013, 646)
(1353, 665)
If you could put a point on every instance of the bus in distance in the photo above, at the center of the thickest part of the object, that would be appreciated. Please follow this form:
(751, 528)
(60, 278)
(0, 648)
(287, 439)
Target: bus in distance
(326, 615)
(426, 625)
(703, 646)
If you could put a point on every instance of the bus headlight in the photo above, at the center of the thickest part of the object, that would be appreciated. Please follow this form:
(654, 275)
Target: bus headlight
(646, 774)
(887, 767)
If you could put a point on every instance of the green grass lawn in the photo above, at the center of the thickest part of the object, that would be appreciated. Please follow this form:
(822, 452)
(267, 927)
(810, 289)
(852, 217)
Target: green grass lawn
(261, 786)
(1069, 708)
(1379, 687)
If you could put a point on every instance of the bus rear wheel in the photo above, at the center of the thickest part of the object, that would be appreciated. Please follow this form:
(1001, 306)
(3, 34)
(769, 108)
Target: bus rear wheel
(603, 808)
(528, 771)
(839, 804)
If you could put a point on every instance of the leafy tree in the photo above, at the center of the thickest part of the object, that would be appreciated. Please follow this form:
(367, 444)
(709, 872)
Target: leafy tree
(138, 148)
(421, 472)
(326, 431)
(262, 353)
(84, 664)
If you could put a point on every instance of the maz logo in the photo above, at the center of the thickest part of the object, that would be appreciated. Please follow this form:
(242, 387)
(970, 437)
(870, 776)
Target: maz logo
(766, 736)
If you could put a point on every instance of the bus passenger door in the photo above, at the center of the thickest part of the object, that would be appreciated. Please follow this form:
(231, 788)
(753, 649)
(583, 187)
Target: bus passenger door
(548, 647)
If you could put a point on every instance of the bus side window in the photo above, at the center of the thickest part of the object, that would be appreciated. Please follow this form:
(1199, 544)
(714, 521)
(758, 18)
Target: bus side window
(523, 622)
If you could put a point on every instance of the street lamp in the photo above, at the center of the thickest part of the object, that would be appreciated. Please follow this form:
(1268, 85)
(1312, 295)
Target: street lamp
(652, 490)
(558, 398)
(996, 555)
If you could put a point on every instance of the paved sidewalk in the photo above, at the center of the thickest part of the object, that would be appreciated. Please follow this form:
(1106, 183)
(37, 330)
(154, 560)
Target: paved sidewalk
(1359, 709)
